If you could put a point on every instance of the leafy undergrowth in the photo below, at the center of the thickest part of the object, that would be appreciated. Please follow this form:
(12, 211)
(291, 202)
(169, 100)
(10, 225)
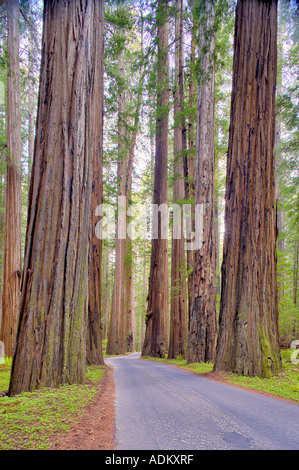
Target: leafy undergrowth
(286, 385)
(28, 421)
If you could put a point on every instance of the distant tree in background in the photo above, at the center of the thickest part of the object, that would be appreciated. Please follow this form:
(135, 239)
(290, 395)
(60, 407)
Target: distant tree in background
(157, 315)
(12, 241)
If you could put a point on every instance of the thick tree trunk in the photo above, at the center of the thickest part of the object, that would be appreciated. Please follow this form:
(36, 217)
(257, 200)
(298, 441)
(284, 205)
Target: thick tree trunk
(157, 316)
(280, 214)
(94, 354)
(203, 322)
(51, 340)
(248, 337)
(178, 304)
(12, 241)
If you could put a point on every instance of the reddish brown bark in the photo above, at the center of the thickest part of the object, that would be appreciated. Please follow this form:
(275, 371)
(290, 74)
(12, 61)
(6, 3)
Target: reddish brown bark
(94, 354)
(189, 170)
(248, 337)
(157, 316)
(178, 304)
(202, 333)
(51, 339)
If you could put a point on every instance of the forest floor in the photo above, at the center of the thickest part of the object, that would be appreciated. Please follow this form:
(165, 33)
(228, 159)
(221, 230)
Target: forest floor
(95, 430)
(82, 417)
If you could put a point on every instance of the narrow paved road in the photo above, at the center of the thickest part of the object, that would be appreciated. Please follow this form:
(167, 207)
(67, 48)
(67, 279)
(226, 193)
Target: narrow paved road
(161, 407)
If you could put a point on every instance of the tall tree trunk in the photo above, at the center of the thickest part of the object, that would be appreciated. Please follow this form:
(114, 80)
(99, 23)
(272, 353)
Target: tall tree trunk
(117, 326)
(94, 354)
(178, 305)
(203, 321)
(189, 170)
(248, 338)
(119, 338)
(31, 118)
(156, 334)
(51, 339)
(12, 242)
(280, 215)
(130, 333)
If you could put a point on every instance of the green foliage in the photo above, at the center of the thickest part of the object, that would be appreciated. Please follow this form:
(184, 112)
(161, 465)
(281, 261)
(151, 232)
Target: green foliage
(285, 385)
(30, 421)
(287, 175)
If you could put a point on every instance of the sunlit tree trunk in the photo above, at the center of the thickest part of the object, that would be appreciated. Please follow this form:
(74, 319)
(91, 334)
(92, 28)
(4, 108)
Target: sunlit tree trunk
(12, 241)
(51, 338)
(248, 339)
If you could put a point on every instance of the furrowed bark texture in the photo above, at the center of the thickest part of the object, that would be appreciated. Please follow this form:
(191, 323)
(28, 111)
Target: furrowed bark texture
(248, 338)
(51, 340)
(178, 304)
(203, 321)
(12, 240)
(156, 334)
(94, 354)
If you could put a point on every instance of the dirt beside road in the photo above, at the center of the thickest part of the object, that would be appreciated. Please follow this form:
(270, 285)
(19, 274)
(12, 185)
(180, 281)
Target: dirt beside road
(95, 430)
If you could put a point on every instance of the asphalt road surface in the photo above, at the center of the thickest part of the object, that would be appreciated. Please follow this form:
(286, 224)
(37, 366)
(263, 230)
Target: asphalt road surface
(161, 407)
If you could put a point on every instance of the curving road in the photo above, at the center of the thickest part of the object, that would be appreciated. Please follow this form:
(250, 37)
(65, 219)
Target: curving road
(161, 407)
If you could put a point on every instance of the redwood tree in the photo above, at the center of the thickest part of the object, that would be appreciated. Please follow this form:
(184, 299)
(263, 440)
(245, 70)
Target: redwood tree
(178, 304)
(12, 244)
(248, 337)
(120, 334)
(156, 334)
(202, 333)
(51, 338)
(94, 354)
